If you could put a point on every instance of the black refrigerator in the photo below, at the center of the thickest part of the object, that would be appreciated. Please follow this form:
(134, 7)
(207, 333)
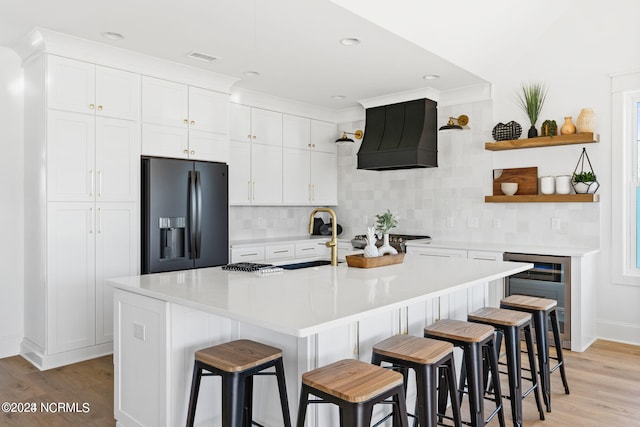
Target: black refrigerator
(185, 214)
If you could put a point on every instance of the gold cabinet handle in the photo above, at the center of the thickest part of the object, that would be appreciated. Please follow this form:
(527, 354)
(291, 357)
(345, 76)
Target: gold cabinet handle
(193, 122)
(249, 190)
(92, 106)
(248, 136)
(90, 220)
(193, 151)
(253, 190)
(185, 151)
(185, 121)
(92, 184)
(253, 137)
(99, 107)
(99, 221)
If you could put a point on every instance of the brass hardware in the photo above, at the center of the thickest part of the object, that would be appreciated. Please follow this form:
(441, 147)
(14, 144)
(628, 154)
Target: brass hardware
(193, 152)
(313, 145)
(193, 122)
(185, 121)
(99, 107)
(93, 183)
(333, 243)
(90, 220)
(99, 220)
(253, 137)
(91, 106)
(185, 151)
(344, 138)
(462, 120)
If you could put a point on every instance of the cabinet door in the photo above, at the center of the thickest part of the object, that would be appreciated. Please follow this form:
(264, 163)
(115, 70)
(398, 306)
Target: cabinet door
(296, 132)
(240, 173)
(323, 136)
(208, 111)
(266, 127)
(117, 160)
(209, 146)
(116, 232)
(324, 178)
(266, 175)
(165, 141)
(70, 85)
(239, 122)
(71, 174)
(295, 177)
(117, 93)
(438, 252)
(70, 276)
(164, 102)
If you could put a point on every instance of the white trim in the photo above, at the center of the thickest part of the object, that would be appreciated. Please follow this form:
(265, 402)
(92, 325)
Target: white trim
(625, 93)
(34, 354)
(627, 333)
(394, 98)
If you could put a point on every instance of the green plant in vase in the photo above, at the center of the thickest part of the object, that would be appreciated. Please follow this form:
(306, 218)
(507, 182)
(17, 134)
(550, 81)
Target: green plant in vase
(385, 222)
(531, 100)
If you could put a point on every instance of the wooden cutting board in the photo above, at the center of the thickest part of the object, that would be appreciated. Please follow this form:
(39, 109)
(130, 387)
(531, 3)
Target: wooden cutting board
(527, 179)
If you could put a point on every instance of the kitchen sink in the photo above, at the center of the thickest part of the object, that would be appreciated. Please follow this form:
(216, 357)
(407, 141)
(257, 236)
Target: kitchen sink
(307, 264)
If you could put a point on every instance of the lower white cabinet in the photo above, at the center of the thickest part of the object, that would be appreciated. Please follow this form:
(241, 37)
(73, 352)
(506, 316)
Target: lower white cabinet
(437, 252)
(276, 252)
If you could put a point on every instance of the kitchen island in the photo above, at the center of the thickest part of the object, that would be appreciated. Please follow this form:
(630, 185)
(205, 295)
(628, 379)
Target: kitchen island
(315, 315)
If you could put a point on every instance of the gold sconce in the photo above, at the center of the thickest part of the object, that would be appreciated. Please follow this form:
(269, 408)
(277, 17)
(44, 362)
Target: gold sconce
(344, 138)
(456, 123)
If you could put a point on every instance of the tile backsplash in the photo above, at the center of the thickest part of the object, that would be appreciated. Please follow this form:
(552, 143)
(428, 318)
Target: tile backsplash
(446, 202)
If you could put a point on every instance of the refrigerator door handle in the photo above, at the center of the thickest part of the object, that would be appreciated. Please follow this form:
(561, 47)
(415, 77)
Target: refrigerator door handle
(198, 214)
(192, 215)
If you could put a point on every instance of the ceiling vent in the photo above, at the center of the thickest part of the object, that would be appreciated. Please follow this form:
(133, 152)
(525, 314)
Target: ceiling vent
(201, 56)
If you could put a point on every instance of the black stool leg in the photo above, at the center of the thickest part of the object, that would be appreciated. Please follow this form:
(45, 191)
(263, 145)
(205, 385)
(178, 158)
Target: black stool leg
(453, 393)
(532, 367)
(232, 399)
(558, 342)
(400, 408)
(473, 362)
(427, 396)
(282, 389)
(247, 414)
(540, 326)
(495, 378)
(512, 344)
(193, 397)
(302, 408)
(356, 415)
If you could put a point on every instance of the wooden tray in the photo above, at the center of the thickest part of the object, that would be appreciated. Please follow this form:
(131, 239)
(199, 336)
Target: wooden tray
(361, 262)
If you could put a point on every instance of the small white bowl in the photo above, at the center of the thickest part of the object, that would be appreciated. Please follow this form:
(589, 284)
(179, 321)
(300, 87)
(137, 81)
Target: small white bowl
(509, 188)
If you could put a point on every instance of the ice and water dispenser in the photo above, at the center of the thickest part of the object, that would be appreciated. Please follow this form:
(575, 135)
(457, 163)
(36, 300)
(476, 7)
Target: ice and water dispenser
(173, 234)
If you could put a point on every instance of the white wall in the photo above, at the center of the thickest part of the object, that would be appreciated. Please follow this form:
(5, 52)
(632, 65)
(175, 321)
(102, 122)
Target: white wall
(11, 211)
(574, 46)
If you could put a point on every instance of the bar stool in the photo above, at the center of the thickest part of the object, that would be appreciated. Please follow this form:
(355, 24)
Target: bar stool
(474, 339)
(355, 387)
(542, 309)
(237, 362)
(425, 356)
(511, 324)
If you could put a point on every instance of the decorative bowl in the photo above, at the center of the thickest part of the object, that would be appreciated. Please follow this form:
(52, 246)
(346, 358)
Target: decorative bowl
(509, 188)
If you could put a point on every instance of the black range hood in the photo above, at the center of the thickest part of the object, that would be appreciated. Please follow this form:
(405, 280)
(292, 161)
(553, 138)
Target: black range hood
(400, 136)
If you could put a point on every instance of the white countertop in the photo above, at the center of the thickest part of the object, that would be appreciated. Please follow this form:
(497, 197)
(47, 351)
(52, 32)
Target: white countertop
(506, 247)
(306, 301)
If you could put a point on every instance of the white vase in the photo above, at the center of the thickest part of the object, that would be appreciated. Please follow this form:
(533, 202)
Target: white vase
(386, 248)
(370, 250)
(586, 121)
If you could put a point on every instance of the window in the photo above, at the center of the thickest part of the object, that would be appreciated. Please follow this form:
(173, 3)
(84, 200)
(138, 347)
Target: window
(625, 212)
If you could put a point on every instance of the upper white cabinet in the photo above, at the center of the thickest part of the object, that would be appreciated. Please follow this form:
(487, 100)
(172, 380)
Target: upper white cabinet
(184, 121)
(310, 167)
(86, 88)
(255, 162)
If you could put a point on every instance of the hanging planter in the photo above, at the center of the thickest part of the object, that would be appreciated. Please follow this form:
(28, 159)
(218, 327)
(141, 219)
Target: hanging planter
(584, 181)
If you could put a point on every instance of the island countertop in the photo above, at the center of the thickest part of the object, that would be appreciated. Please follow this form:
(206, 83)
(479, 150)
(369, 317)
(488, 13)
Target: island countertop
(306, 301)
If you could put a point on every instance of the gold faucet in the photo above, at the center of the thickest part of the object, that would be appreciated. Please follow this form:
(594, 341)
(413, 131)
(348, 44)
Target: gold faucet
(333, 243)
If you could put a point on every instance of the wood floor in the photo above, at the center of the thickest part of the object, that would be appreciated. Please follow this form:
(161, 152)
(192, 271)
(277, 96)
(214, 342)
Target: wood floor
(604, 382)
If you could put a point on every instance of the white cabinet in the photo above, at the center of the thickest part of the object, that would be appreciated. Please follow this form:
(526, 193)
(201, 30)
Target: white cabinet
(307, 249)
(255, 161)
(184, 121)
(85, 188)
(310, 168)
(86, 88)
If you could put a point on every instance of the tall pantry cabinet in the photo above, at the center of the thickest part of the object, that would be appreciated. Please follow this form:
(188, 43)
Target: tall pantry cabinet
(82, 150)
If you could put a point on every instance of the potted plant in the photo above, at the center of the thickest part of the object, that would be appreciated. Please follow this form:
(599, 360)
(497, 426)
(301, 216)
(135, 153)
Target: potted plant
(531, 101)
(385, 222)
(582, 182)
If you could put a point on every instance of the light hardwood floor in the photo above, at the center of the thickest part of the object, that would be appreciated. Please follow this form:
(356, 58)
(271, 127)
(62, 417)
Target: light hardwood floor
(604, 383)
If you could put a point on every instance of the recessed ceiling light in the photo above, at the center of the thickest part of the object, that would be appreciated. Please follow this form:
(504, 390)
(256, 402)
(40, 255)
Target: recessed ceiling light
(431, 76)
(201, 56)
(112, 36)
(350, 41)
(251, 73)
(338, 97)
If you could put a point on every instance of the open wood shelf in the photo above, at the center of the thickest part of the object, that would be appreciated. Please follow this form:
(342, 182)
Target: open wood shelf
(543, 141)
(542, 198)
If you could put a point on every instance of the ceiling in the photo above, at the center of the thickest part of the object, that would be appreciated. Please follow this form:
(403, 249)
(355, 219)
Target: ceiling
(294, 45)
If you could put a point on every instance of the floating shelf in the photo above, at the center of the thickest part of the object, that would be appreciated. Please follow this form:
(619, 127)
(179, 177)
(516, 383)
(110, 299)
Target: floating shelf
(543, 141)
(544, 198)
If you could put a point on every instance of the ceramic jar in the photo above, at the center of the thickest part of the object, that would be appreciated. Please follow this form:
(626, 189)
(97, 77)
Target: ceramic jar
(547, 185)
(563, 184)
(568, 127)
(586, 121)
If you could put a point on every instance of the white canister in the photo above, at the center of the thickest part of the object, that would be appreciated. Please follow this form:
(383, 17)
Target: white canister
(563, 184)
(547, 185)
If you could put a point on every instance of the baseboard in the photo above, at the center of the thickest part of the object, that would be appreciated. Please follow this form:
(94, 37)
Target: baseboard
(9, 346)
(42, 361)
(627, 333)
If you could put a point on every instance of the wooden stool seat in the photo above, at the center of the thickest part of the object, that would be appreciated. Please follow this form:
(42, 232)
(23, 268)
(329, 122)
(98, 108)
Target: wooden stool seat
(238, 355)
(500, 316)
(355, 387)
(421, 350)
(528, 303)
(352, 380)
(432, 362)
(459, 330)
